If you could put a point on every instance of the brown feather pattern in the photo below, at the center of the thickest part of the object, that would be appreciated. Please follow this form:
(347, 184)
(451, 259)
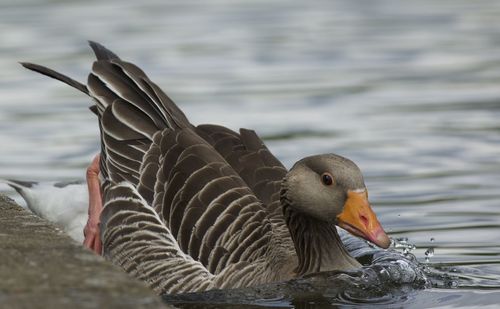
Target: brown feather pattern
(187, 208)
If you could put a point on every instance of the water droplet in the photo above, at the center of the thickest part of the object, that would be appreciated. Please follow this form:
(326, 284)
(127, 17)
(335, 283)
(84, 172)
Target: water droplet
(402, 239)
(428, 254)
(452, 284)
(432, 239)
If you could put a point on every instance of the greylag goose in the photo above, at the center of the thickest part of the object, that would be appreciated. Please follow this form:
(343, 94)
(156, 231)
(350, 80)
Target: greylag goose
(192, 208)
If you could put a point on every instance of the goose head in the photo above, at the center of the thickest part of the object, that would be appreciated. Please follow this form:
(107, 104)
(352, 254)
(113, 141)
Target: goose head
(331, 188)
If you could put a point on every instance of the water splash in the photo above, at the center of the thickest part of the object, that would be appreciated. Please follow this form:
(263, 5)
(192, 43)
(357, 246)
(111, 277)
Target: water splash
(403, 243)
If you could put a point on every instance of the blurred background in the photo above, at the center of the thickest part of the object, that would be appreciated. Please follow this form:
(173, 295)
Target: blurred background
(408, 90)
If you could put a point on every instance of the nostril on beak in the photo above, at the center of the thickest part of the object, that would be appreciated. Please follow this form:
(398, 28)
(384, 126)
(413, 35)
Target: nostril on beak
(364, 220)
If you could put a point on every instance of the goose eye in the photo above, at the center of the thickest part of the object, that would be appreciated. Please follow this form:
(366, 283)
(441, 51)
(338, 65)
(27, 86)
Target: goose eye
(327, 179)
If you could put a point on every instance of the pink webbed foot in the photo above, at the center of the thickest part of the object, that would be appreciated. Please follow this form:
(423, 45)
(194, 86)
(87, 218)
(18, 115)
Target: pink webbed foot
(91, 231)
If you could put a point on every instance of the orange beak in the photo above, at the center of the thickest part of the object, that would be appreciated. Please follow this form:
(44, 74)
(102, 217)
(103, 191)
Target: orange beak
(359, 219)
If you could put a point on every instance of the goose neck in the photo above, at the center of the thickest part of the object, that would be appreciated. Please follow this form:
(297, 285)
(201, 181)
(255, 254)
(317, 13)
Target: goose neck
(317, 242)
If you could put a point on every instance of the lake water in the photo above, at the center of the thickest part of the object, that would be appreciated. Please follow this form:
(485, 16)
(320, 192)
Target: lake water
(408, 90)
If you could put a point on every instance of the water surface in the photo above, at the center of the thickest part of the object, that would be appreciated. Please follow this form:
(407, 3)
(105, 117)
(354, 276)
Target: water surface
(409, 91)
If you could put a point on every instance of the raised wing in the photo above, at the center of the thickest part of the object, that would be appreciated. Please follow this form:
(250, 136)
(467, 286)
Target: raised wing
(131, 109)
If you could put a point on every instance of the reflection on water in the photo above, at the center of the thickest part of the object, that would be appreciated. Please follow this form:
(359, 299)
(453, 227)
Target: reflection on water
(408, 90)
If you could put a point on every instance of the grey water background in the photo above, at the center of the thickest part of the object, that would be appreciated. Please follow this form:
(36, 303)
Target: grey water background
(408, 90)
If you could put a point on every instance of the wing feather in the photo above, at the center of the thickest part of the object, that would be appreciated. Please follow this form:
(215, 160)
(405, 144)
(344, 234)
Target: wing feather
(133, 234)
(203, 198)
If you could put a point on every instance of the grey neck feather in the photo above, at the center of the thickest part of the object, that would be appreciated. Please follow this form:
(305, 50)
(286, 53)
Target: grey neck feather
(317, 243)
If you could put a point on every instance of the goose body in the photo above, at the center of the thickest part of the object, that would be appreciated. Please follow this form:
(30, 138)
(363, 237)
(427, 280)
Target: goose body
(64, 204)
(191, 208)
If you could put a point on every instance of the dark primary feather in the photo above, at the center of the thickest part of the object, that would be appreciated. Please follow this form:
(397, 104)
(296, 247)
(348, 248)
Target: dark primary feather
(56, 75)
(101, 52)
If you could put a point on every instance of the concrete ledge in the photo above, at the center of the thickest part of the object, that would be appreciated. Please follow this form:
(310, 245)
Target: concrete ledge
(40, 267)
